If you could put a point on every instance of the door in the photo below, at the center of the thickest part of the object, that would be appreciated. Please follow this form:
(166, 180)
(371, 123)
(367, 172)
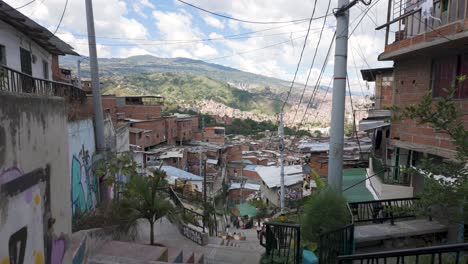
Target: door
(26, 64)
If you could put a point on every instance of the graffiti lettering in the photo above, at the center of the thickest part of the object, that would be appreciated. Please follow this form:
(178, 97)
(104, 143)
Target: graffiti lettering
(25, 214)
(18, 239)
(193, 235)
(290, 194)
(79, 257)
(84, 184)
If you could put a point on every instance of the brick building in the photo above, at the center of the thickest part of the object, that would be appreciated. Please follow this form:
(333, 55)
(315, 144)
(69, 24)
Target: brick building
(429, 51)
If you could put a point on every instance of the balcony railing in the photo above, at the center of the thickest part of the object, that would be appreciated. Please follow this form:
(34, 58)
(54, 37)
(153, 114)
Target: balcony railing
(390, 175)
(18, 82)
(282, 243)
(409, 18)
(447, 254)
(380, 211)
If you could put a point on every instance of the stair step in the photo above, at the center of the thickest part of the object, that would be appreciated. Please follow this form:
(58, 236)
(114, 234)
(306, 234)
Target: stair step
(137, 252)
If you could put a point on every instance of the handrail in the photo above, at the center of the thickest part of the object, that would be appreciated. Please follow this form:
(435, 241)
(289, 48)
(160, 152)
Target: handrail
(379, 211)
(282, 240)
(406, 252)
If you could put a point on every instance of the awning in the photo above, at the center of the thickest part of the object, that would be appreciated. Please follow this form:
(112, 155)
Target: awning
(365, 125)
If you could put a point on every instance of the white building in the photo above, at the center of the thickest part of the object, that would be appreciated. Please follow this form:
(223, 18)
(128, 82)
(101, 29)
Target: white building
(29, 48)
(271, 183)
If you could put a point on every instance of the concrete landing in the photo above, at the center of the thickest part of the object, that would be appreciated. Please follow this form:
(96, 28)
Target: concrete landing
(379, 232)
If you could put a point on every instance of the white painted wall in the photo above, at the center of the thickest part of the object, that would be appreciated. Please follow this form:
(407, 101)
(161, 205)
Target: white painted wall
(13, 40)
(33, 135)
(387, 191)
(84, 187)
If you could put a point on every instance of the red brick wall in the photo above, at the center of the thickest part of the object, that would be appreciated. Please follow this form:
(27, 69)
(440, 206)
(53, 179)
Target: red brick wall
(195, 123)
(251, 174)
(233, 153)
(412, 81)
(171, 130)
(157, 134)
(184, 129)
(142, 112)
(235, 194)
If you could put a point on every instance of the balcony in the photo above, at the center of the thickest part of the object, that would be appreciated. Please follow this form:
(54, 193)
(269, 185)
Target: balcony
(414, 22)
(18, 82)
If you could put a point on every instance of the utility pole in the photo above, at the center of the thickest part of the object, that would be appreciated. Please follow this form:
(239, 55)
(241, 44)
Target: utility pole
(204, 195)
(281, 149)
(98, 115)
(335, 163)
(78, 73)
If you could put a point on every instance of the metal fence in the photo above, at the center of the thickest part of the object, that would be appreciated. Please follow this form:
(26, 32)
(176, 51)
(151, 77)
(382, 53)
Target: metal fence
(197, 219)
(337, 242)
(379, 211)
(408, 18)
(447, 254)
(18, 82)
(282, 242)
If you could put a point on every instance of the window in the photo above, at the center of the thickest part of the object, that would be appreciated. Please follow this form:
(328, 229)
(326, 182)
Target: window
(2, 55)
(445, 71)
(45, 69)
(26, 64)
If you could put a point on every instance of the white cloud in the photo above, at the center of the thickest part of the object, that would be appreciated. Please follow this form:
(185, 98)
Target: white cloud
(216, 23)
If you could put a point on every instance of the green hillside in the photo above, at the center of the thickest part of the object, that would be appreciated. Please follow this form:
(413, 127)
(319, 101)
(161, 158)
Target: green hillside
(187, 88)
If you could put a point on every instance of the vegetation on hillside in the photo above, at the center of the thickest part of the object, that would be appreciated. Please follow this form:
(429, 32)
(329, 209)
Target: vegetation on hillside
(184, 88)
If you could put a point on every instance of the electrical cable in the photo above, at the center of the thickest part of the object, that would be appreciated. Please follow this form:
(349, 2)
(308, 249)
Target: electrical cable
(189, 41)
(313, 94)
(186, 40)
(19, 7)
(312, 64)
(300, 58)
(243, 20)
(61, 18)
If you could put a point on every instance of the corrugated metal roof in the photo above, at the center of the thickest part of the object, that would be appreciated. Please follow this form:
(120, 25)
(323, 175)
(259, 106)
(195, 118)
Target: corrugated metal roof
(248, 186)
(271, 175)
(180, 174)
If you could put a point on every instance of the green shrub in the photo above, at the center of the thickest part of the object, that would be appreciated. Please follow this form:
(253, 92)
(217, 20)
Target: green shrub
(324, 211)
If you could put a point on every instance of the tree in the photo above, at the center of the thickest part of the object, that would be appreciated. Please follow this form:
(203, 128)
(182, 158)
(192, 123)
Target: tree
(324, 211)
(446, 195)
(144, 197)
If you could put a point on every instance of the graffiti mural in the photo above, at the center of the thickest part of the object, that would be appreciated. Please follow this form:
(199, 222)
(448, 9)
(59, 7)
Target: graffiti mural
(84, 184)
(25, 217)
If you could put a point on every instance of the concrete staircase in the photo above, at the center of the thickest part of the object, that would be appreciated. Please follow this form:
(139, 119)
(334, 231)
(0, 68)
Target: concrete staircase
(126, 253)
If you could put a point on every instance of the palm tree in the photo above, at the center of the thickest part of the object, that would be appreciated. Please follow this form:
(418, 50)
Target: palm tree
(144, 197)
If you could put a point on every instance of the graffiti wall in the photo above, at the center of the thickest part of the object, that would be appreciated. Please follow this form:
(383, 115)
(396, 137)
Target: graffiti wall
(84, 186)
(35, 220)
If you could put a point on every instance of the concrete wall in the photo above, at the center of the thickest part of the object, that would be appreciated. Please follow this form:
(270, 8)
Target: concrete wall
(13, 40)
(387, 191)
(84, 186)
(35, 188)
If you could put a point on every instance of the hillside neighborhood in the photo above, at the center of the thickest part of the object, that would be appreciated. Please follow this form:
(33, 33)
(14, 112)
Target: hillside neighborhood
(145, 159)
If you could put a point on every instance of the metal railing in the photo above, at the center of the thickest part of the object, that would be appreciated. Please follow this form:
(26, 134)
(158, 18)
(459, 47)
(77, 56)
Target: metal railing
(406, 19)
(197, 218)
(447, 254)
(379, 211)
(390, 174)
(282, 243)
(18, 82)
(337, 242)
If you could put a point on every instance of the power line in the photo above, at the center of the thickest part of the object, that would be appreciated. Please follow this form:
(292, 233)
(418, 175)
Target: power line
(265, 47)
(189, 42)
(19, 7)
(61, 18)
(300, 57)
(186, 40)
(321, 73)
(243, 20)
(312, 64)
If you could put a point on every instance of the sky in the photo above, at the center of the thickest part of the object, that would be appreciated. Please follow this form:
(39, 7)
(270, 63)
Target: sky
(169, 28)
